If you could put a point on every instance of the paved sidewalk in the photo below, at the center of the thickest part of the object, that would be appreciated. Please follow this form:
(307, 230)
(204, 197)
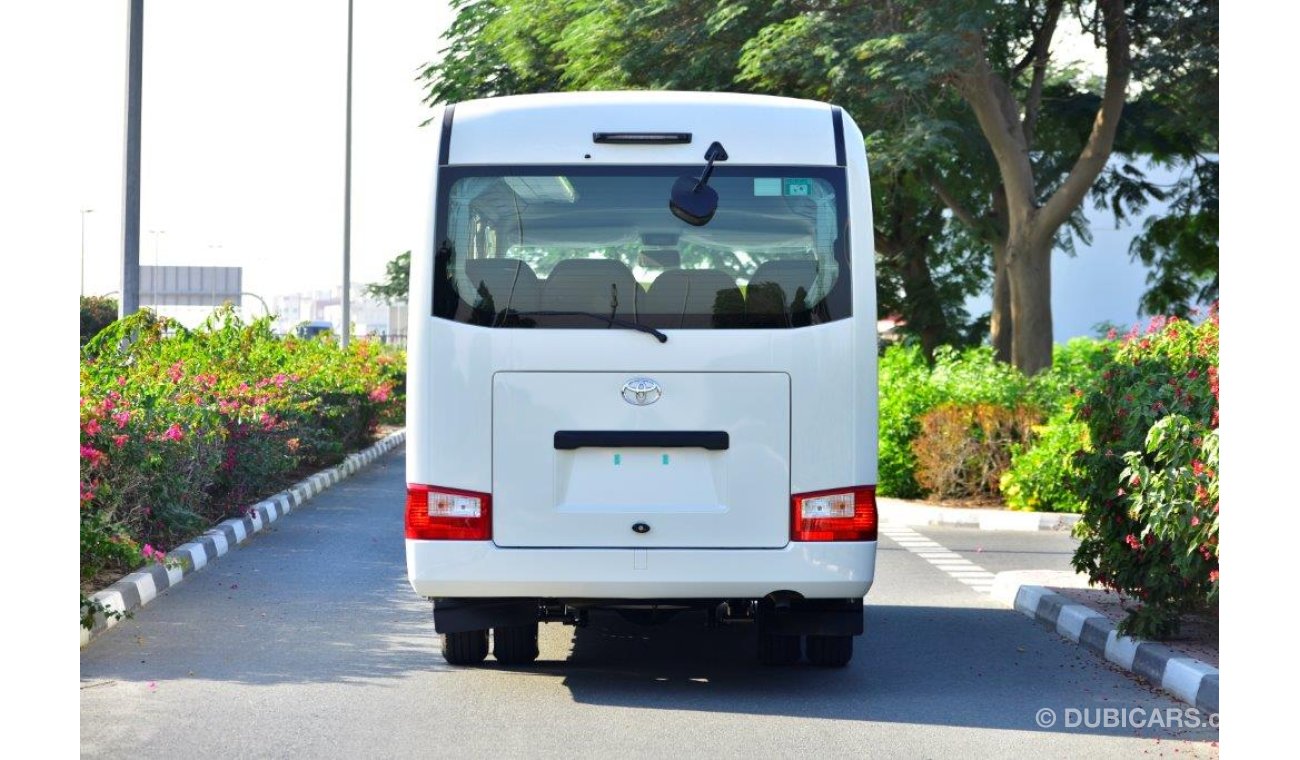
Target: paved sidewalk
(920, 513)
(1192, 680)
(143, 586)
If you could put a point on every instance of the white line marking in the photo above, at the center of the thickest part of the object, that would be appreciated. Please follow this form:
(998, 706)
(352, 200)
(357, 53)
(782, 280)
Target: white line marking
(953, 565)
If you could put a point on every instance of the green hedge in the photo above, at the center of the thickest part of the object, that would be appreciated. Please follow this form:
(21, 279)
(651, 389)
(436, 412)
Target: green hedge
(910, 388)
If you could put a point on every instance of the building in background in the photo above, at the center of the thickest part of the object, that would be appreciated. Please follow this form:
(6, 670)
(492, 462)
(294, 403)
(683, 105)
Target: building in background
(369, 316)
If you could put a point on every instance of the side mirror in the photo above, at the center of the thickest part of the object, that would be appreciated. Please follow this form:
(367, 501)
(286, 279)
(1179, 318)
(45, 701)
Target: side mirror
(692, 200)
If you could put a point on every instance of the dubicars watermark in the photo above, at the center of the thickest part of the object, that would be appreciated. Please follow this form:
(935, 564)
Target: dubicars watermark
(1125, 717)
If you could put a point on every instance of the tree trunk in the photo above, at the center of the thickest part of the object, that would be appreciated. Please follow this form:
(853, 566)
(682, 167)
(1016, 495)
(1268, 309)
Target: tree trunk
(1032, 225)
(1000, 322)
(1029, 273)
(924, 312)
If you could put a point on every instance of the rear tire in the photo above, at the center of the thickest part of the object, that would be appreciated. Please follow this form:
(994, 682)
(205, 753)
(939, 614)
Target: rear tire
(515, 644)
(830, 651)
(779, 649)
(465, 647)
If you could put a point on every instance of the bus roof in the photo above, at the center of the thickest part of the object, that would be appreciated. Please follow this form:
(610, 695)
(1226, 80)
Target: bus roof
(559, 128)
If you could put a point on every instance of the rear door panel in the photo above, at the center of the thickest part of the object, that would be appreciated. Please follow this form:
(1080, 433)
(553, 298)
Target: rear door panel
(595, 495)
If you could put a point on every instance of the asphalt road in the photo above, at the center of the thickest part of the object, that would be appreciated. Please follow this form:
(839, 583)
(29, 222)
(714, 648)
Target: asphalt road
(308, 642)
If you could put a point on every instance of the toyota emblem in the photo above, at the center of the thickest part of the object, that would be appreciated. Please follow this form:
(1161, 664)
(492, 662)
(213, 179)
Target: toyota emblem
(641, 391)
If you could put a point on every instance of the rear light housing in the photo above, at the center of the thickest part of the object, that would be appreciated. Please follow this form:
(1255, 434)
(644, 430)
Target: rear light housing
(839, 514)
(434, 513)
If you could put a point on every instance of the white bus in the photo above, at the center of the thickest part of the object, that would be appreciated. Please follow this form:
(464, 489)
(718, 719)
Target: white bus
(642, 371)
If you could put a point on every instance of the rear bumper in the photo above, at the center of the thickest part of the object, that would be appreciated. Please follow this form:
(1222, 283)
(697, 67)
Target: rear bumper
(818, 570)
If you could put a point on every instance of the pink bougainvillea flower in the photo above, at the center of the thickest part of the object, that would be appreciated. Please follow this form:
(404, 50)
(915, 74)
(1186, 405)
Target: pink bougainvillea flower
(91, 427)
(120, 440)
(380, 394)
(1132, 542)
(1214, 576)
(173, 433)
(1195, 521)
(121, 418)
(121, 381)
(91, 453)
(175, 372)
(280, 380)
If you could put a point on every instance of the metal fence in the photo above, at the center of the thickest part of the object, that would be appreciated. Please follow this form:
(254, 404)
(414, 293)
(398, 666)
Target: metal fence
(396, 339)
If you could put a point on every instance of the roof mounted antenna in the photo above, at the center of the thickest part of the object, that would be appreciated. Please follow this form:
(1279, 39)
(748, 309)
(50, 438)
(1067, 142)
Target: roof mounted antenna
(692, 200)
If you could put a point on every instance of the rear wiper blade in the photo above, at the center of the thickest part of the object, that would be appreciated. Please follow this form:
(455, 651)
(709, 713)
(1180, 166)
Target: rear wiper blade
(611, 321)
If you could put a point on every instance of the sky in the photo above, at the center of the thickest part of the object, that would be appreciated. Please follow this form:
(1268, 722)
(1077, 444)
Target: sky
(243, 137)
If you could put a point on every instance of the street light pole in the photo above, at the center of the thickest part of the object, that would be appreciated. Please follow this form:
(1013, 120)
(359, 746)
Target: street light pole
(131, 174)
(84, 211)
(347, 199)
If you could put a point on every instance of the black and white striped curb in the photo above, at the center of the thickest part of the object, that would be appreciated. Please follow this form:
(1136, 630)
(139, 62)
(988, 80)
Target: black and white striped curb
(1191, 680)
(141, 587)
(905, 513)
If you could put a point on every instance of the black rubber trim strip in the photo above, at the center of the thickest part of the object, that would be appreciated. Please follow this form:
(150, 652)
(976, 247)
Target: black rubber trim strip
(713, 440)
(444, 145)
(642, 138)
(837, 119)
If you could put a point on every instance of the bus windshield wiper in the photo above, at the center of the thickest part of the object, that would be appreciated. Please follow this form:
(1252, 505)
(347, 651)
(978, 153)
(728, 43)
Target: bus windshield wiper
(611, 321)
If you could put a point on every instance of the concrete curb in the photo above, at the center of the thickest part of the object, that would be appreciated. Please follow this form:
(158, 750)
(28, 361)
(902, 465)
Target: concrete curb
(904, 513)
(144, 585)
(1189, 679)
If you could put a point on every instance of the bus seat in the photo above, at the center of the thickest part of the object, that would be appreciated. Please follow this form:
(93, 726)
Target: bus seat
(498, 277)
(776, 285)
(603, 286)
(693, 297)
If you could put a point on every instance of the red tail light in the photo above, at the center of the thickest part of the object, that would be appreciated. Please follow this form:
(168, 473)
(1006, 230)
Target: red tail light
(840, 514)
(446, 514)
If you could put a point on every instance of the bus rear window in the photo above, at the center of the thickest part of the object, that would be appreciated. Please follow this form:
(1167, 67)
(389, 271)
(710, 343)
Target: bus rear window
(546, 247)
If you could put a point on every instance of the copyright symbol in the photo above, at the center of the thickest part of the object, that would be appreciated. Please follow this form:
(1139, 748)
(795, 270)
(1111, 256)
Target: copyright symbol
(1046, 717)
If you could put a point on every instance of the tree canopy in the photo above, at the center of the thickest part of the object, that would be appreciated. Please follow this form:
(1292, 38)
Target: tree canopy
(396, 285)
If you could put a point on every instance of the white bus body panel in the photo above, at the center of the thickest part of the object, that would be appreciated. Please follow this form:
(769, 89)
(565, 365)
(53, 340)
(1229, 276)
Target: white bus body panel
(557, 129)
(684, 497)
(831, 367)
(822, 570)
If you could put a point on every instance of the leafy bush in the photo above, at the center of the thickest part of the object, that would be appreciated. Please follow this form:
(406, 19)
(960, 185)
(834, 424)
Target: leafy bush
(905, 395)
(1076, 365)
(909, 388)
(182, 428)
(1147, 531)
(963, 449)
(1042, 475)
(96, 314)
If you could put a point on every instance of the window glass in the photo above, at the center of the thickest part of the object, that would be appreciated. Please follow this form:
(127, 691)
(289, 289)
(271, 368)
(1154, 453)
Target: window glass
(548, 247)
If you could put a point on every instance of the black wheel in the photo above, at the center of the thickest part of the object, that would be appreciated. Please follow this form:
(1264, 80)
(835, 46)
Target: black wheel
(830, 651)
(465, 647)
(515, 644)
(778, 649)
